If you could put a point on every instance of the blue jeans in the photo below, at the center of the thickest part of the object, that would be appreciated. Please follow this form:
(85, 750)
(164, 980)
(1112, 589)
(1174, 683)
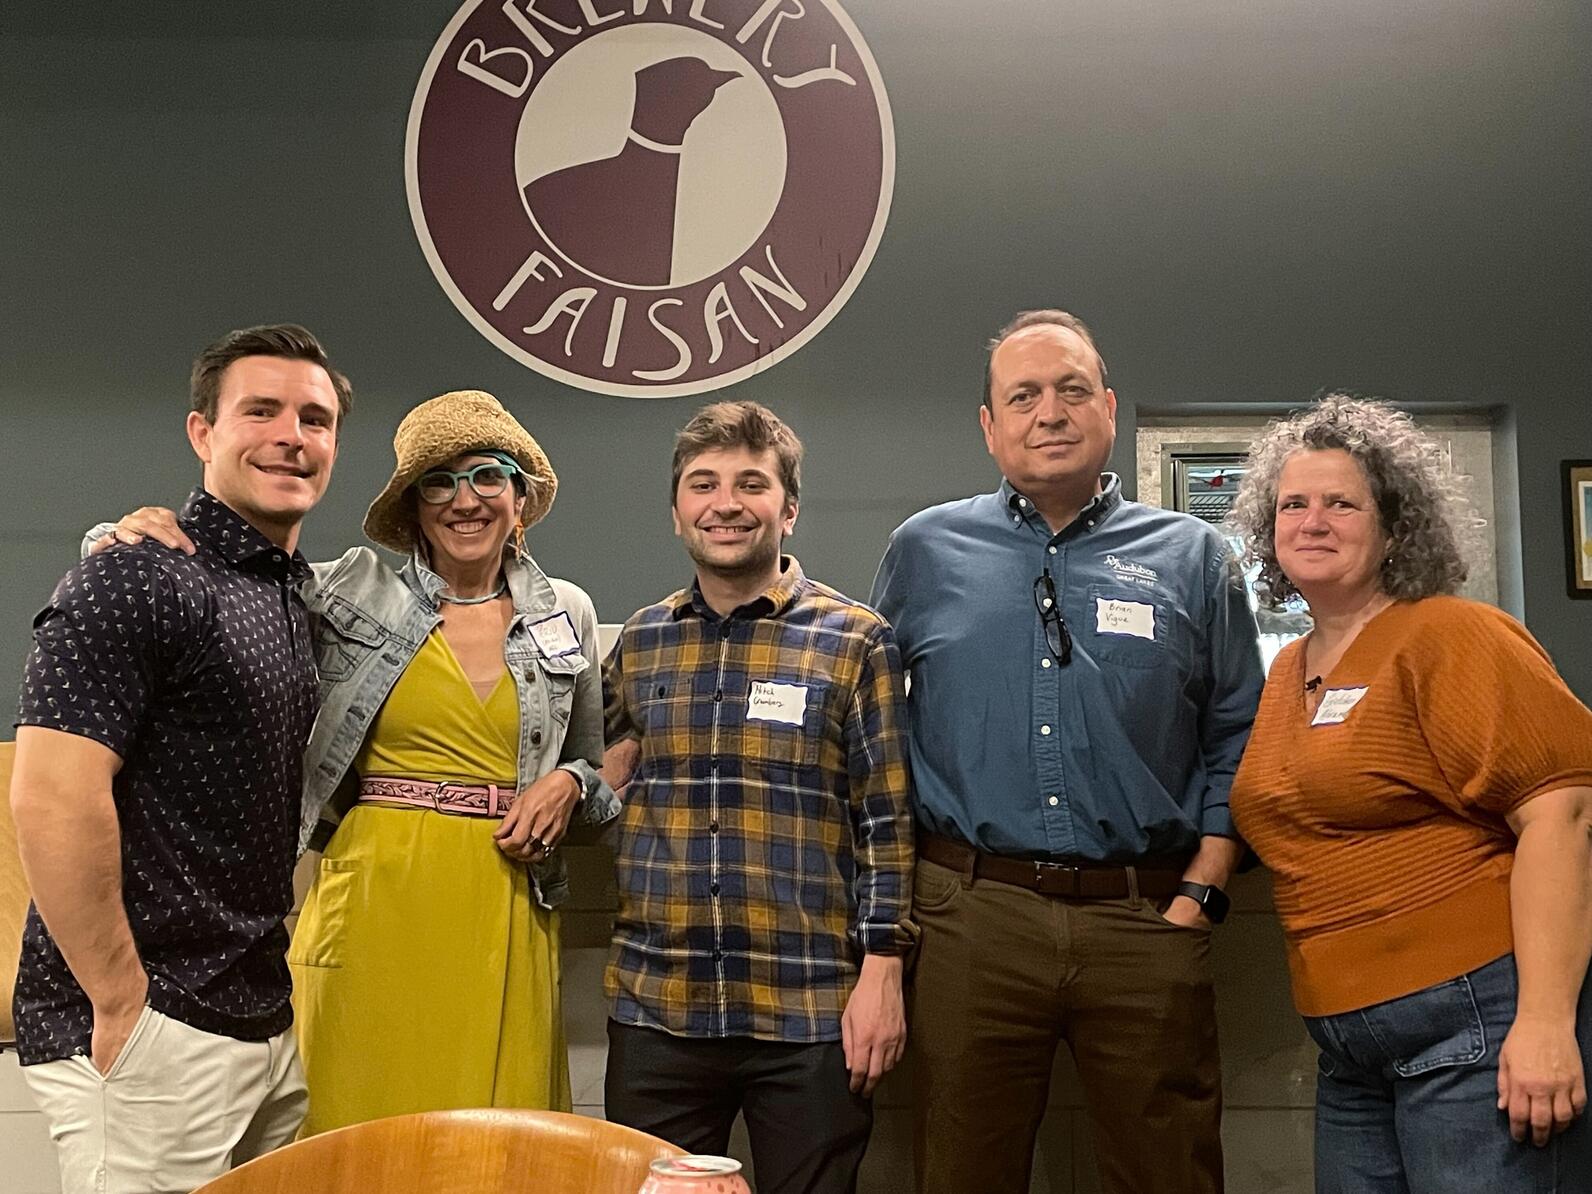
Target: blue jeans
(1407, 1096)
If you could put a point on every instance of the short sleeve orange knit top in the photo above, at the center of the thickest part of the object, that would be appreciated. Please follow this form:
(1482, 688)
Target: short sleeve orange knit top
(1383, 819)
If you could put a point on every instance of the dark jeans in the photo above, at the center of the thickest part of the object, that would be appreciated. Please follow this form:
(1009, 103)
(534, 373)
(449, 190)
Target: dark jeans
(1407, 1096)
(1004, 977)
(808, 1131)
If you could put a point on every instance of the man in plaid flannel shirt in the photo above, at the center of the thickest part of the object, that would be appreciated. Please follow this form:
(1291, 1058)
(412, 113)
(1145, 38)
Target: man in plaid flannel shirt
(765, 848)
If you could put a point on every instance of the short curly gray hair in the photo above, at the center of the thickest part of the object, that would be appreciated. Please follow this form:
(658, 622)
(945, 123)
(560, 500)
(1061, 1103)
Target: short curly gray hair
(1422, 509)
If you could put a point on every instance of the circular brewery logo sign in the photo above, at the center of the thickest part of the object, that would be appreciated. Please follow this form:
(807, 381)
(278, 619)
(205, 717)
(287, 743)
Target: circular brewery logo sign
(650, 197)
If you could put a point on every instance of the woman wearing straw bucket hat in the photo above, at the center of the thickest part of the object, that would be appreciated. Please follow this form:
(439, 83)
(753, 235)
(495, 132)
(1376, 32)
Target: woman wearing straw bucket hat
(460, 728)
(462, 717)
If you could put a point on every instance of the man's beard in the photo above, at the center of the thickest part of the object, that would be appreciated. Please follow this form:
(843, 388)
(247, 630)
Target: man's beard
(760, 558)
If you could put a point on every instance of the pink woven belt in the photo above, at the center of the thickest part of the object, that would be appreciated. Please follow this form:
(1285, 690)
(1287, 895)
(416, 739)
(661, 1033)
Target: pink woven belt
(463, 800)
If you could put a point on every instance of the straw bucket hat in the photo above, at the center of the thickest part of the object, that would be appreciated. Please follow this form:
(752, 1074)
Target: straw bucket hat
(440, 429)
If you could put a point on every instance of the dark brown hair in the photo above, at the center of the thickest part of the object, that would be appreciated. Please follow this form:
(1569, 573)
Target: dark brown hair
(286, 340)
(747, 425)
(1033, 319)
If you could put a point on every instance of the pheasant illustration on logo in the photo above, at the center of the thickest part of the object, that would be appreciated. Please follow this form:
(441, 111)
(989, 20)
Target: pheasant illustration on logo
(615, 216)
(650, 197)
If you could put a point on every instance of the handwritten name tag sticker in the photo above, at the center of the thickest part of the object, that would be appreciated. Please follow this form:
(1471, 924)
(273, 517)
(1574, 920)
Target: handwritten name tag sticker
(555, 635)
(786, 703)
(1335, 705)
(1124, 617)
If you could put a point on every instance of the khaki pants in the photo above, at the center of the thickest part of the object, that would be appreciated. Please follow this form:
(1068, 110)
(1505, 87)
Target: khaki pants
(1003, 976)
(179, 1108)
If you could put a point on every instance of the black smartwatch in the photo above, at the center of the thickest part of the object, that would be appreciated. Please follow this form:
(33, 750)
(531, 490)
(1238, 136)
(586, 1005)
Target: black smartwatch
(1213, 901)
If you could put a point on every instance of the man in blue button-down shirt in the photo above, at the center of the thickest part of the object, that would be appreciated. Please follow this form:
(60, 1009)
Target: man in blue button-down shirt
(1084, 671)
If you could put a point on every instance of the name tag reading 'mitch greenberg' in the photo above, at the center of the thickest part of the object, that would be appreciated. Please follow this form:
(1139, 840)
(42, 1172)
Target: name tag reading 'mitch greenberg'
(1335, 705)
(1124, 617)
(786, 703)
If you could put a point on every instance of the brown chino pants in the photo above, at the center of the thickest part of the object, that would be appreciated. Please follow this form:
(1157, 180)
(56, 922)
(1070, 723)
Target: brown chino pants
(1003, 975)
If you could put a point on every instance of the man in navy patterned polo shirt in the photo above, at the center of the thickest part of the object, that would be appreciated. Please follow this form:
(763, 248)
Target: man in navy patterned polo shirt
(165, 707)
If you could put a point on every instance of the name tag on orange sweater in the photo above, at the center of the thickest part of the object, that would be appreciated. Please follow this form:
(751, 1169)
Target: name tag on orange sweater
(1335, 705)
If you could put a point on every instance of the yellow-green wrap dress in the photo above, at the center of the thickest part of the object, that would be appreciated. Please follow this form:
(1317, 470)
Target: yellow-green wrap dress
(425, 974)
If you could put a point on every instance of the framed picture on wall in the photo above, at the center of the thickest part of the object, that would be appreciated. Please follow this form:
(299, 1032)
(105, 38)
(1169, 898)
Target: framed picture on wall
(1578, 525)
(1202, 479)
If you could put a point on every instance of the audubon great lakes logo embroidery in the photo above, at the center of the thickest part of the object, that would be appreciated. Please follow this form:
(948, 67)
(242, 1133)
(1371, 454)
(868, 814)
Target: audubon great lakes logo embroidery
(1128, 568)
(650, 197)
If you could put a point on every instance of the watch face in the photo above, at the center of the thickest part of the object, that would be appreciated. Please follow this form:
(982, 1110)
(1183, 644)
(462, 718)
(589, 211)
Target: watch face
(1213, 901)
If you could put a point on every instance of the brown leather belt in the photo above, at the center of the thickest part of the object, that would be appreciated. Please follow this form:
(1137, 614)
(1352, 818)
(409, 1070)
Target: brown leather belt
(1078, 880)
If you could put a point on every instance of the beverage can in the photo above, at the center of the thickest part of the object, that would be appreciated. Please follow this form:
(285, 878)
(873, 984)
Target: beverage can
(695, 1175)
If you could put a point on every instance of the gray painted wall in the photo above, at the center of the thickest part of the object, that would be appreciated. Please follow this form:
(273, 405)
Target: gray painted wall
(1248, 201)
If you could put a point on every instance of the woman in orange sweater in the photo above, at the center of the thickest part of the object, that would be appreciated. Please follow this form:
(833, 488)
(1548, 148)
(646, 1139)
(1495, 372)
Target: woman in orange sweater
(1419, 781)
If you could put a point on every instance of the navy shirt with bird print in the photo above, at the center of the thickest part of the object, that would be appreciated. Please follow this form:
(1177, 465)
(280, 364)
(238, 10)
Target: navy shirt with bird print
(198, 672)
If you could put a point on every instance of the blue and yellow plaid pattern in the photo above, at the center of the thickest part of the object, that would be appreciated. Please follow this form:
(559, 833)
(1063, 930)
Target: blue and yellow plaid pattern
(758, 859)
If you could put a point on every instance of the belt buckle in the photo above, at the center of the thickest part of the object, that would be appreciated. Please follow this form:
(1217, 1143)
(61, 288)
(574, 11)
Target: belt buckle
(436, 794)
(1049, 878)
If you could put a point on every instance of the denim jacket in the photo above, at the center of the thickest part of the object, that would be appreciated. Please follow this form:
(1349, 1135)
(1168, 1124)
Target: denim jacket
(369, 622)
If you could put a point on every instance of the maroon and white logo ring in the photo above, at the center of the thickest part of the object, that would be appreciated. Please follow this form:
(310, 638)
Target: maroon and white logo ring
(650, 197)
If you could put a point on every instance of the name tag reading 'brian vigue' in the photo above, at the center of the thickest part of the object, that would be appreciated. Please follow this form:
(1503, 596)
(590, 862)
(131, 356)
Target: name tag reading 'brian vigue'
(785, 703)
(1124, 617)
